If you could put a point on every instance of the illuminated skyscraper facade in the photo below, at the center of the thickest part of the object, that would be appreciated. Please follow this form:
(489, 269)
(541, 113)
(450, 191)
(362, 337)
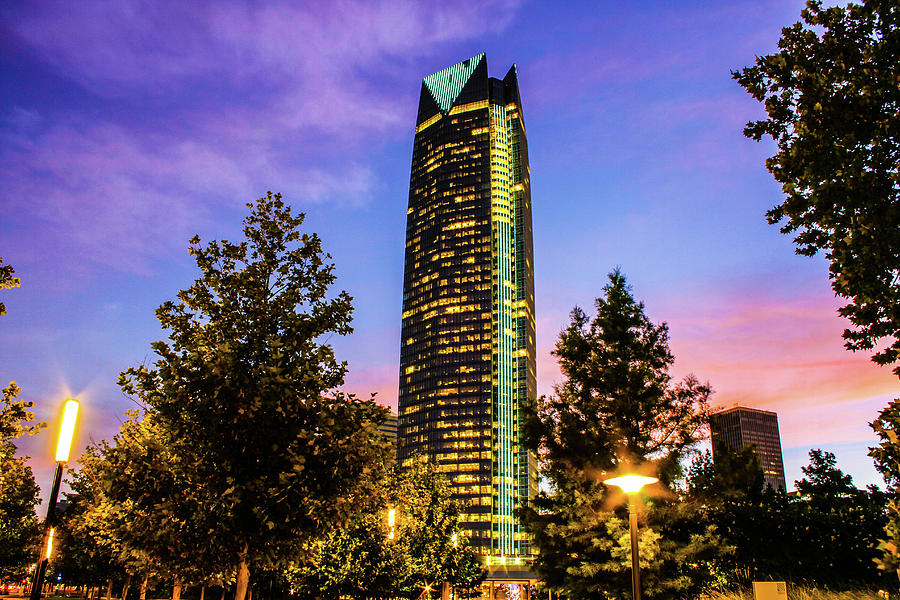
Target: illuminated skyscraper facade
(467, 357)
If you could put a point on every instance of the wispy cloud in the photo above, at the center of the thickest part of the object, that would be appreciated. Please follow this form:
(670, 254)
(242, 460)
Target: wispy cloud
(772, 347)
(271, 95)
(782, 350)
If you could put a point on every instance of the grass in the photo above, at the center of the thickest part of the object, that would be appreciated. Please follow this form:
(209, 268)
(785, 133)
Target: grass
(808, 593)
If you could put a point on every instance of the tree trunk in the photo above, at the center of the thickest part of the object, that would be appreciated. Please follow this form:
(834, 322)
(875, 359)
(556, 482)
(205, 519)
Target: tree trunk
(109, 589)
(125, 587)
(176, 590)
(243, 577)
(202, 591)
(144, 581)
(223, 592)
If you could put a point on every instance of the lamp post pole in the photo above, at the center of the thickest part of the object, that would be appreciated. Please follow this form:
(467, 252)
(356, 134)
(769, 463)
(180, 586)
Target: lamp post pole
(66, 432)
(635, 557)
(631, 485)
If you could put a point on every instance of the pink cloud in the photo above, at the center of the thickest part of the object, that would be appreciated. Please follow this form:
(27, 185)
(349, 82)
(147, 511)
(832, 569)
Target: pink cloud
(772, 349)
(786, 355)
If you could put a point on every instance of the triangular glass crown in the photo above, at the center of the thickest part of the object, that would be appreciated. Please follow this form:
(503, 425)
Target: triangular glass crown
(446, 85)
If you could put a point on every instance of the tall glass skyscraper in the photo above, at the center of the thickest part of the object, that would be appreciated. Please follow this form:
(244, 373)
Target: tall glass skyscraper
(467, 356)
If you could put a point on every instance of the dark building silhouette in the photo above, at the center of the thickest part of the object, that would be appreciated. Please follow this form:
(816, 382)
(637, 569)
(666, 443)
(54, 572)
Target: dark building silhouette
(737, 427)
(467, 356)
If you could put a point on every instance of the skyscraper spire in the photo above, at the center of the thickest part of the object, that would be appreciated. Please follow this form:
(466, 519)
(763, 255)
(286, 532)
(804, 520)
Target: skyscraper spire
(446, 84)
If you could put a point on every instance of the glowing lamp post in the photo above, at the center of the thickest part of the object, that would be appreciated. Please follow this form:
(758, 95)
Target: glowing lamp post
(392, 521)
(63, 445)
(631, 485)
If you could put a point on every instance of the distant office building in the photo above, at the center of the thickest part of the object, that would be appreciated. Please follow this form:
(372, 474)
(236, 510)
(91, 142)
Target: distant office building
(467, 355)
(389, 428)
(737, 427)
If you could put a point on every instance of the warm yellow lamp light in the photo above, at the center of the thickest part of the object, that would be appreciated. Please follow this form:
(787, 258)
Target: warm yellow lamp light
(50, 542)
(392, 518)
(64, 443)
(67, 431)
(630, 484)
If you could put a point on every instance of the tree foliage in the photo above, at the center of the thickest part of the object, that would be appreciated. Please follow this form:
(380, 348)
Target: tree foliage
(7, 281)
(833, 108)
(734, 474)
(887, 461)
(243, 388)
(429, 534)
(78, 557)
(359, 560)
(137, 507)
(616, 408)
(19, 528)
(826, 535)
(15, 415)
(617, 404)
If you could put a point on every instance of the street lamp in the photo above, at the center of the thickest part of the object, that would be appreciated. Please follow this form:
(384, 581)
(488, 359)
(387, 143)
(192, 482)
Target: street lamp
(392, 521)
(631, 485)
(426, 590)
(63, 445)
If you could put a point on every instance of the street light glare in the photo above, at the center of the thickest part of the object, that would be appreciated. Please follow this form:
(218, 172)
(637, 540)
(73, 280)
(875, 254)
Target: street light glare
(630, 484)
(67, 431)
(50, 543)
(392, 518)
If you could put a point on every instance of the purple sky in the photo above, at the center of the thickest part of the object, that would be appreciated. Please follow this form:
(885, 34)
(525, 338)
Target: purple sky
(127, 127)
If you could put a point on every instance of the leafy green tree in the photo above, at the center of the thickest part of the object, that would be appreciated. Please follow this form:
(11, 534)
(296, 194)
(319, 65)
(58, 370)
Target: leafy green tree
(243, 387)
(359, 560)
(429, 533)
(823, 481)
(831, 99)
(827, 535)
(138, 506)
(887, 461)
(355, 560)
(15, 415)
(617, 408)
(735, 474)
(77, 557)
(98, 522)
(844, 524)
(19, 527)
